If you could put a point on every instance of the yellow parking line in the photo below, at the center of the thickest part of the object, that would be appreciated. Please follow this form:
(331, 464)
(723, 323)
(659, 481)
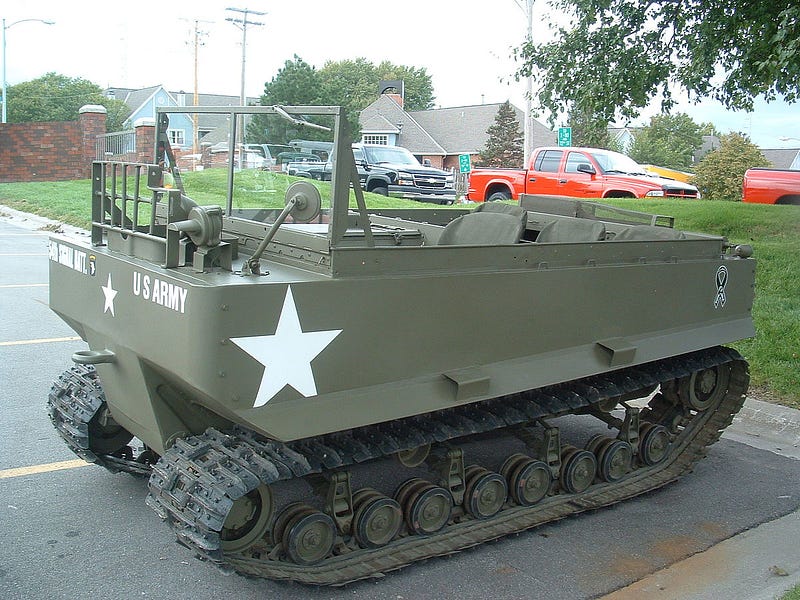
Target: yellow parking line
(40, 341)
(46, 468)
(22, 285)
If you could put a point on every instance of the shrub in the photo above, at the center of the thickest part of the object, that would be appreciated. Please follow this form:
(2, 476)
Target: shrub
(720, 174)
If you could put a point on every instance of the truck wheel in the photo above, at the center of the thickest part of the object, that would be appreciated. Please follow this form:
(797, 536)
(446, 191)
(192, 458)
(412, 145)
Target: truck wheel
(383, 191)
(499, 197)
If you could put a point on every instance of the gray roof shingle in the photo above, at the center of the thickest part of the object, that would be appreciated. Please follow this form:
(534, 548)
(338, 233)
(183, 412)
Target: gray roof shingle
(443, 131)
(781, 158)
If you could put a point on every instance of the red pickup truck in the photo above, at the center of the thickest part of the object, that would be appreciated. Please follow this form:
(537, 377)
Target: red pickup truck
(771, 186)
(578, 172)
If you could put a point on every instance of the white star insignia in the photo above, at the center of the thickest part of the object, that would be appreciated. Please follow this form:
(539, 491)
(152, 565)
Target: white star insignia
(110, 293)
(287, 355)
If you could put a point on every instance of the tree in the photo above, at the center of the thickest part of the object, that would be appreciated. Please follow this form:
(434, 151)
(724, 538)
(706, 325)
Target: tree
(504, 147)
(720, 174)
(298, 84)
(352, 84)
(54, 97)
(417, 84)
(619, 54)
(588, 130)
(669, 141)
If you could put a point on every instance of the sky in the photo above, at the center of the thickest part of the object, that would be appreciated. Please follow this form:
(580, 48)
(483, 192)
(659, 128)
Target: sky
(466, 48)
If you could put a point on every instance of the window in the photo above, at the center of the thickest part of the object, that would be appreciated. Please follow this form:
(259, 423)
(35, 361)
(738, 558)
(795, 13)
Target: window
(381, 139)
(549, 160)
(574, 159)
(176, 137)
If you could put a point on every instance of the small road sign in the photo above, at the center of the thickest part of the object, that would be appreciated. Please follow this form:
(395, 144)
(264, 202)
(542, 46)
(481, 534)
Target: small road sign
(565, 136)
(464, 164)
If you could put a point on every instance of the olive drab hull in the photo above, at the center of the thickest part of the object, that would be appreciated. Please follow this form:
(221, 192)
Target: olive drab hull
(299, 343)
(371, 350)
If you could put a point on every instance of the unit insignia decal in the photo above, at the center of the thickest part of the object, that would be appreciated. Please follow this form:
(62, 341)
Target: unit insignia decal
(722, 281)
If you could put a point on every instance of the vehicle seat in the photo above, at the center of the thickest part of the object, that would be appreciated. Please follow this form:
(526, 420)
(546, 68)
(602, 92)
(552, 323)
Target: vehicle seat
(500, 207)
(484, 228)
(649, 233)
(572, 230)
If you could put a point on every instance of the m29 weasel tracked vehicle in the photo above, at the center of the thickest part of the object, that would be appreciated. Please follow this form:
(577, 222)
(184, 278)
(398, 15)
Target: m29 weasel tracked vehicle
(328, 394)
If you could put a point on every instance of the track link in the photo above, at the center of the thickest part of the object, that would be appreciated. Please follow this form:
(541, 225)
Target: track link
(76, 404)
(195, 484)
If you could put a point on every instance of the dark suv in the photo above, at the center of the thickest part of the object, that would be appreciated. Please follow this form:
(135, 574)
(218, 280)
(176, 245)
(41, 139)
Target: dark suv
(393, 171)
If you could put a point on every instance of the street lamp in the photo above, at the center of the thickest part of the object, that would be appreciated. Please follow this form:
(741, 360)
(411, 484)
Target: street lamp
(5, 27)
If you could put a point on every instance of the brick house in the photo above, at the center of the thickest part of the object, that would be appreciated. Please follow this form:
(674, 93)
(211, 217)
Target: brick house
(439, 135)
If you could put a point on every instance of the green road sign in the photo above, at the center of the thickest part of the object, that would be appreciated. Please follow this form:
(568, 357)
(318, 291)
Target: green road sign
(464, 165)
(565, 136)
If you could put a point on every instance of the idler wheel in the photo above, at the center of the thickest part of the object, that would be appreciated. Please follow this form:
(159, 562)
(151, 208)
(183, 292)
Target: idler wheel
(307, 534)
(376, 518)
(528, 479)
(703, 389)
(426, 507)
(248, 520)
(614, 459)
(106, 436)
(653, 444)
(578, 469)
(485, 492)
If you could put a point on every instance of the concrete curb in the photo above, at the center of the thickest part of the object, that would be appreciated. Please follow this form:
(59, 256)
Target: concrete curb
(768, 427)
(33, 222)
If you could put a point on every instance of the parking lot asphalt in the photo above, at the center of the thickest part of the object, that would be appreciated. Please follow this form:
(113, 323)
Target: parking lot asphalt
(728, 530)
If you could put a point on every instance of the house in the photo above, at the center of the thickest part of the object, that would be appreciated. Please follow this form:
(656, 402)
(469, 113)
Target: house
(622, 137)
(210, 128)
(783, 158)
(438, 135)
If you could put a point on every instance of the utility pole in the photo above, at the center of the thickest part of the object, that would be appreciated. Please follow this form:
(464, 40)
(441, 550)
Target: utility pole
(196, 97)
(242, 24)
(528, 128)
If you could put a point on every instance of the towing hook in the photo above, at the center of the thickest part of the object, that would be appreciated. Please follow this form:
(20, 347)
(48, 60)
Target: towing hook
(93, 357)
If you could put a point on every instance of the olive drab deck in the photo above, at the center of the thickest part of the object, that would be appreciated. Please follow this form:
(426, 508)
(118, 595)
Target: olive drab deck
(259, 364)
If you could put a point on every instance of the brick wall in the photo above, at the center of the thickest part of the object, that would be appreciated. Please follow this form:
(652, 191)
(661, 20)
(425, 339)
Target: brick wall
(145, 143)
(50, 151)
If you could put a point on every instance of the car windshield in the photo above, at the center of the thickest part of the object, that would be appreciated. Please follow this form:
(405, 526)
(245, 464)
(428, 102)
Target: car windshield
(390, 154)
(614, 162)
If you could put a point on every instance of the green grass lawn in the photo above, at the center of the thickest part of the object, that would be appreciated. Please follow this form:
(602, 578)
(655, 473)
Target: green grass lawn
(792, 594)
(773, 231)
(70, 201)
